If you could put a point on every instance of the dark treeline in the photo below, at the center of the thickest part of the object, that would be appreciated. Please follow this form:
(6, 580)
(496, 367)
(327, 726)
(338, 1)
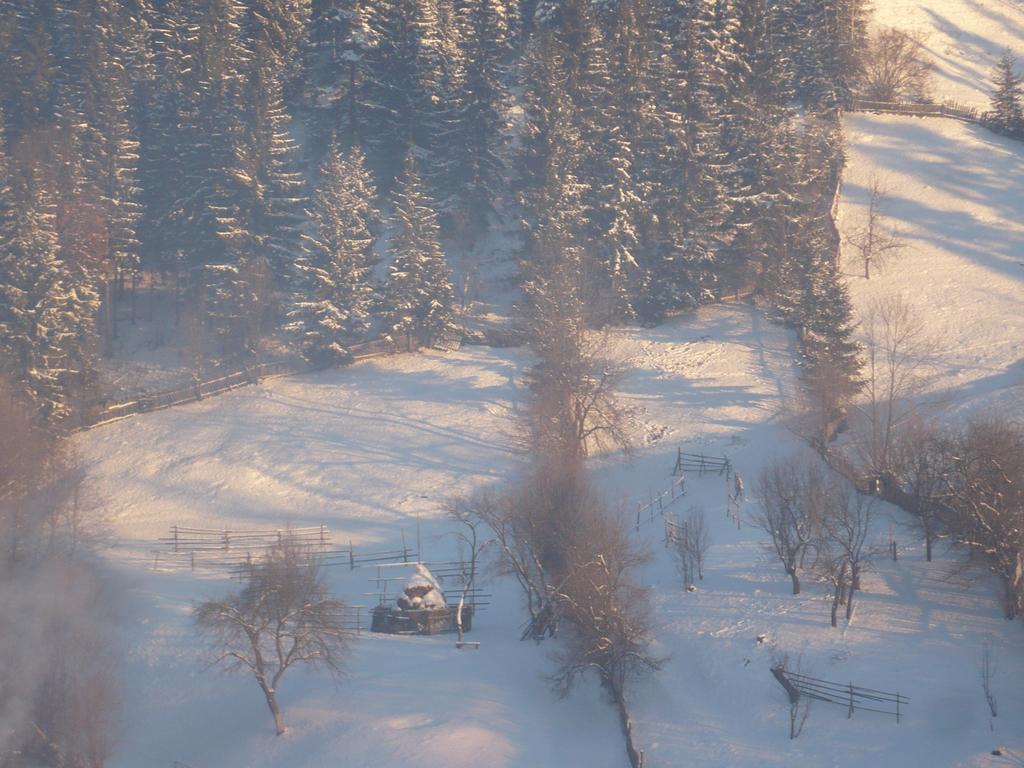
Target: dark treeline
(251, 153)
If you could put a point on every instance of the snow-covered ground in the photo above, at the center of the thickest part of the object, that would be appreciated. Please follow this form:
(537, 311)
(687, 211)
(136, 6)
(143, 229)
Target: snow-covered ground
(955, 196)
(373, 451)
(370, 448)
(963, 38)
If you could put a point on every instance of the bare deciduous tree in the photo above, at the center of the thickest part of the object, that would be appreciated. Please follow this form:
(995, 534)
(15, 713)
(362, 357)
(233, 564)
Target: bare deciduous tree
(921, 464)
(792, 500)
(875, 243)
(691, 541)
(897, 353)
(58, 687)
(845, 548)
(607, 613)
(460, 511)
(986, 494)
(896, 67)
(573, 407)
(284, 617)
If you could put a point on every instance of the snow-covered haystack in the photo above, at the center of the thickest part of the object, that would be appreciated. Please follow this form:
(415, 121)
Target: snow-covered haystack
(421, 592)
(420, 608)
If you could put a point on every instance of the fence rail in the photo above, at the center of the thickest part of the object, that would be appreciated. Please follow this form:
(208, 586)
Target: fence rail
(104, 412)
(853, 697)
(947, 109)
(699, 463)
(661, 502)
(184, 539)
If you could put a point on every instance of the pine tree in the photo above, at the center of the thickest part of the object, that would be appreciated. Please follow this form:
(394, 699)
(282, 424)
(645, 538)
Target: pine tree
(757, 132)
(1006, 114)
(476, 133)
(209, 65)
(283, 27)
(109, 145)
(403, 92)
(691, 201)
(47, 310)
(336, 294)
(261, 211)
(418, 297)
(343, 35)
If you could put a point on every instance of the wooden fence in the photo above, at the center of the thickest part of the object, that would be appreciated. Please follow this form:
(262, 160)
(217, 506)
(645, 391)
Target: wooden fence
(183, 539)
(699, 463)
(233, 551)
(949, 109)
(660, 503)
(848, 695)
(105, 412)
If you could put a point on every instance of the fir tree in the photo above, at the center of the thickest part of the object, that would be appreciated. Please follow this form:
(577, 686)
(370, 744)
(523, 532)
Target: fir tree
(476, 134)
(1006, 114)
(343, 35)
(283, 27)
(47, 310)
(418, 297)
(336, 293)
(403, 91)
(261, 211)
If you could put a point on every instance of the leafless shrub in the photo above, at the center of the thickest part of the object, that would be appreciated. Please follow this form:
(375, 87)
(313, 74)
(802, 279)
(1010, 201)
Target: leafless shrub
(987, 670)
(897, 352)
(792, 495)
(607, 613)
(284, 617)
(896, 67)
(691, 541)
(985, 499)
(921, 460)
(875, 243)
(845, 549)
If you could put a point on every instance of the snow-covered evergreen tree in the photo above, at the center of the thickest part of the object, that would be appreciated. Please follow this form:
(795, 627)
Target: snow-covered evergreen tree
(418, 297)
(336, 293)
(475, 132)
(47, 310)
(1007, 99)
(260, 213)
(404, 94)
(283, 27)
(343, 35)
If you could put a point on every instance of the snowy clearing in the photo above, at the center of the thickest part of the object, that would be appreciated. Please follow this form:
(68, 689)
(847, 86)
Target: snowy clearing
(954, 195)
(368, 448)
(964, 39)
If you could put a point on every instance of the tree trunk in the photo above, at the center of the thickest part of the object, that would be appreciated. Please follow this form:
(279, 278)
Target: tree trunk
(271, 697)
(849, 603)
(796, 581)
(636, 757)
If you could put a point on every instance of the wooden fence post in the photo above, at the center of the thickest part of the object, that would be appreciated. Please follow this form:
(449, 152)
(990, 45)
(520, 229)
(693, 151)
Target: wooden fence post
(175, 529)
(351, 556)
(849, 713)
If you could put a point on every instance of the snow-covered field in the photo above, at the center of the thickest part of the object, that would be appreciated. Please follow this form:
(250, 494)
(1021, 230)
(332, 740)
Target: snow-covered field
(963, 38)
(955, 196)
(373, 451)
(369, 448)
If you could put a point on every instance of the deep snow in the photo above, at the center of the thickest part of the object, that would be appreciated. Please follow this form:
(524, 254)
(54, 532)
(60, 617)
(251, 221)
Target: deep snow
(369, 448)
